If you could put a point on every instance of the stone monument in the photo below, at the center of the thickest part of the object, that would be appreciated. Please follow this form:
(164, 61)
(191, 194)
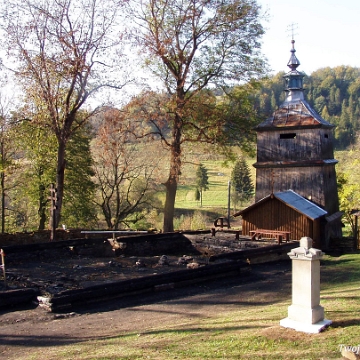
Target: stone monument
(305, 313)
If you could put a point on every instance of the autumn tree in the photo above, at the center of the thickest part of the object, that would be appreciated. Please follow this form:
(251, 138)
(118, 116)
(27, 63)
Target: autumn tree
(191, 46)
(348, 176)
(65, 51)
(124, 171)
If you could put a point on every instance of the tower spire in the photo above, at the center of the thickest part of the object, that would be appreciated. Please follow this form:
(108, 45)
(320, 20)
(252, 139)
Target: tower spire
(294, 61)
(294, 78)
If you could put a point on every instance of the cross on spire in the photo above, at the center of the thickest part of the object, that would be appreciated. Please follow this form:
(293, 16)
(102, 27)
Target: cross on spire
(292, 28)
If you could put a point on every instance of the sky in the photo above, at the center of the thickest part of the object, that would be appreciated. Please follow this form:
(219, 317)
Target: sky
(327, 33)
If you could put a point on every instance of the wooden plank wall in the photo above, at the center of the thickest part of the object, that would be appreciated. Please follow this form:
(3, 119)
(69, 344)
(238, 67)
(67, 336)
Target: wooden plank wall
(306, 145)
(275, 215)
(320, 187)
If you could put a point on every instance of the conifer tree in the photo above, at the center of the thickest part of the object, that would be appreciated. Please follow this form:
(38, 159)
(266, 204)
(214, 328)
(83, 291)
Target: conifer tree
(202, 181)
(241, 182)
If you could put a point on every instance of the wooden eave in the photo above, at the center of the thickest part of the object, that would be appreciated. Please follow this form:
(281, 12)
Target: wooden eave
(336, 216)
(294, 115)
(303, 163)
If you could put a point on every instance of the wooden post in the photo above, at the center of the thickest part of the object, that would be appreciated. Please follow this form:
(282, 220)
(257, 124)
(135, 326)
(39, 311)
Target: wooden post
(229, 197)
(3, 265)
(53, 200)
(356, 233)
(356, 213)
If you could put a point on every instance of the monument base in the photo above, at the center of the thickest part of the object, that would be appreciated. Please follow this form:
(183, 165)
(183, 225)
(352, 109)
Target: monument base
(305, 327)
(309, 315)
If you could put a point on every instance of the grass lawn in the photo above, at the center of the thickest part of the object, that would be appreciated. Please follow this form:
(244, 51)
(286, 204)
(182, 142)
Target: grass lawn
(251, 332)
(215, 198)
(217, 194)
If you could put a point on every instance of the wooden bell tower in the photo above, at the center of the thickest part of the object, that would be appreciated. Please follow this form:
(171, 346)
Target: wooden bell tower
(295, 151)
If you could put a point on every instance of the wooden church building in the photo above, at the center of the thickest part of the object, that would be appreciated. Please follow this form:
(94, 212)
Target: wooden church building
(295, 153)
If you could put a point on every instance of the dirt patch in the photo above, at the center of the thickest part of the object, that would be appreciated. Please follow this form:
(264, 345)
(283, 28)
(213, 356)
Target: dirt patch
(278, 332)
(22, 331)
(25, 331)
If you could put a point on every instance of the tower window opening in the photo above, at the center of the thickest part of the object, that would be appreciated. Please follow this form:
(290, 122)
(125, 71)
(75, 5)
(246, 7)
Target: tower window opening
(288, 136)
(326, 136)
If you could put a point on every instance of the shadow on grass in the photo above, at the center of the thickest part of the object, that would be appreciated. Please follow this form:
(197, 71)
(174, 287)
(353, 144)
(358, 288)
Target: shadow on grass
(34, 341)
(38, 341)
(340, 270)
(344, 323)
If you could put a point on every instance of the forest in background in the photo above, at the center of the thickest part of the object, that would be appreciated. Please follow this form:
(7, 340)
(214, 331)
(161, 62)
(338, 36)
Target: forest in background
(333, 92)
(110, 101)
(114, 181)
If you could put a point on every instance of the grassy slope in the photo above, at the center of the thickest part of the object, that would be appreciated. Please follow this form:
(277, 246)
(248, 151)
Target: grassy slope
(252, 332)
(215, 199)
(219, 175)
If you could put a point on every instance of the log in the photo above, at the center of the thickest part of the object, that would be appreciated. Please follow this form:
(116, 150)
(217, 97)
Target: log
(150, 283)
(17, 296)
(261, 251)
(152, 243)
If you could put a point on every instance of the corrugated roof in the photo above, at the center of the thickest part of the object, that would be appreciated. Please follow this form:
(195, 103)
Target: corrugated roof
(301, 204)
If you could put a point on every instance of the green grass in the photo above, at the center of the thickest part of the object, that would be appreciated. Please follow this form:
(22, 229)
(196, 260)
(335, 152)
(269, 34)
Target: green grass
(220, 174)
(215, 199)
(217, 194)
(251, 332)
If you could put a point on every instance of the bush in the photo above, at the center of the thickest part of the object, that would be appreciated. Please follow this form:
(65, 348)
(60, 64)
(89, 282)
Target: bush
(196, 221)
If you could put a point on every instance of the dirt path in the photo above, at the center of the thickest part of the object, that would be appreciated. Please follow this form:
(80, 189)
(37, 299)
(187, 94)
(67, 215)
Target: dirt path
(25, 331)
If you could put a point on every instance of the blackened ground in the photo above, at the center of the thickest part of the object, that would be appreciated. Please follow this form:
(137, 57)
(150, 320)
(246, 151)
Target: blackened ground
(53, 271)
(24, 331)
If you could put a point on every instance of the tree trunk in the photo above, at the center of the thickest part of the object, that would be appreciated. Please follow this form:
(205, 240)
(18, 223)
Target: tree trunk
(2, 202)
(169, 208)
(2, 190)
(174, 173)
(60, 177)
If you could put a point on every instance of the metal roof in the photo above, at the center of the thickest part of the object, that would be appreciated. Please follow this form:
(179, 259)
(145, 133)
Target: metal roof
(300, 204)
(293, 200)
(294, 111)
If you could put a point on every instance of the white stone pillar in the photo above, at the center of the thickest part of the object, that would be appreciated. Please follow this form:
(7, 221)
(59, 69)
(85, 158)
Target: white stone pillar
(305, 313)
